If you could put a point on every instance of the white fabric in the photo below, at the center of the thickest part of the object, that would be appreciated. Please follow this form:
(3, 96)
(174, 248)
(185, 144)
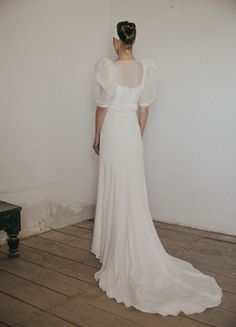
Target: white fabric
(136, 270)
(115, 78)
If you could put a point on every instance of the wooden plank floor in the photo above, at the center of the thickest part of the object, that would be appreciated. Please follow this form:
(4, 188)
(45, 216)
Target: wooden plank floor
(52, 282)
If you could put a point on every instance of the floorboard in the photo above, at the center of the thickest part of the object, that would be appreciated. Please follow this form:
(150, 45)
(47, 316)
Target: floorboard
(52, 282)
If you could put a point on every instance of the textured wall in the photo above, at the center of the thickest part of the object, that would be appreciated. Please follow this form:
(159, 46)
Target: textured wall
(190, 139)
(47, 164)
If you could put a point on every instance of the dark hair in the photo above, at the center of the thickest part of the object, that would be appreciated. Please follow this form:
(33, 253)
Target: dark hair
(126, 32)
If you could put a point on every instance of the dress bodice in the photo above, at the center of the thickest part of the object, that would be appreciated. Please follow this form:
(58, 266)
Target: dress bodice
(126, 83)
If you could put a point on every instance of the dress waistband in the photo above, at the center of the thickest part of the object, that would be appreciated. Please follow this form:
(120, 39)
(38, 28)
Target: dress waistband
(122, 108)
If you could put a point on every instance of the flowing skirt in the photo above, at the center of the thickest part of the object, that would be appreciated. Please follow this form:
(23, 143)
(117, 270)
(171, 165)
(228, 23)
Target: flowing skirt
(136, 270)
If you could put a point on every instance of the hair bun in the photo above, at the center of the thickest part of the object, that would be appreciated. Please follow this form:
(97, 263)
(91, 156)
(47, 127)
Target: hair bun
(127, 32)
(128, 29)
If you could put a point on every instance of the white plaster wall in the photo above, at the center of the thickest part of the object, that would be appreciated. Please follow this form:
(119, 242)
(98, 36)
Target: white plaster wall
(190, 139)
(47, 165)
(47, 52)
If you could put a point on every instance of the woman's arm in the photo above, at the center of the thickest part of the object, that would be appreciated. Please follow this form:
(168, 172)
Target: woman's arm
(143, 117)
(99, 118)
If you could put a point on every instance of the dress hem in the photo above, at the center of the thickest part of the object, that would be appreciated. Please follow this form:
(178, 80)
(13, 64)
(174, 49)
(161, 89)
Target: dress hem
(102, 285)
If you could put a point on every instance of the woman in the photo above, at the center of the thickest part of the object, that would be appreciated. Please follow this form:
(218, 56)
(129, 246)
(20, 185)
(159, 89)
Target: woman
(136, 269)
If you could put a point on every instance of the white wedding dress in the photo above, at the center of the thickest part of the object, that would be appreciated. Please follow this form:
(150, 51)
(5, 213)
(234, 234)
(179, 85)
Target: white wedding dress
(136, 270)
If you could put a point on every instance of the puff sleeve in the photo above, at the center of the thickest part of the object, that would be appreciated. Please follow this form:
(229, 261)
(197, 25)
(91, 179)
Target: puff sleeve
(105, 81)
(149, 87)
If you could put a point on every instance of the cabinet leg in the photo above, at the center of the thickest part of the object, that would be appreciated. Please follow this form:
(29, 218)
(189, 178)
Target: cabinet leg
(13, 244)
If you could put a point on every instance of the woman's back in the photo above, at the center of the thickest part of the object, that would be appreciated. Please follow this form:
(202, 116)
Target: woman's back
(129, 73)
(125, 82)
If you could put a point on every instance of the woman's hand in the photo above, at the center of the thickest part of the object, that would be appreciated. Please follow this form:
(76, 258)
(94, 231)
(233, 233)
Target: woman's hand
(96, 144)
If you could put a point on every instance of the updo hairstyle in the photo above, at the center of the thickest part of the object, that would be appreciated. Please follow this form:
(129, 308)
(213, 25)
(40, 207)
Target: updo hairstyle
(127, 33)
